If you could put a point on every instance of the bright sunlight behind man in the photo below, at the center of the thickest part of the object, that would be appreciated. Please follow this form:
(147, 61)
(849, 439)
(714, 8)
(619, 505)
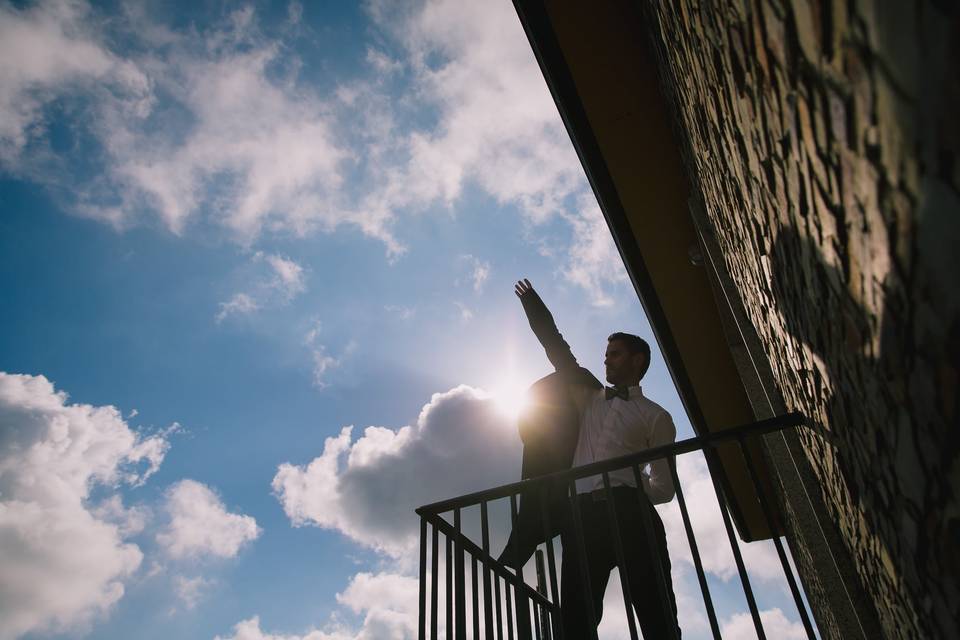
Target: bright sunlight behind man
(510, 395)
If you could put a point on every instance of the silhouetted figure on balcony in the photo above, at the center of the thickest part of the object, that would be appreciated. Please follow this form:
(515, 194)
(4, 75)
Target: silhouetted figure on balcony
(611, 422)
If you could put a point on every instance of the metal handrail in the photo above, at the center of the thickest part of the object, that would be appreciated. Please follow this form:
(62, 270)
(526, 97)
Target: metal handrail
(546, 610)
(596, 468)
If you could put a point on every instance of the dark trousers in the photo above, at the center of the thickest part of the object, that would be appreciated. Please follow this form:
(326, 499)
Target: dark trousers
(649, 589)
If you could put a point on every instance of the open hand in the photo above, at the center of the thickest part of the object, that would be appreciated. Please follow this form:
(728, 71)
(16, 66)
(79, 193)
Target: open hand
(522, 288)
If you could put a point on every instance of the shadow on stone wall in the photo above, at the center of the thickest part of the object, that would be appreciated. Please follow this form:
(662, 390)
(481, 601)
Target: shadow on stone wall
(890, 454)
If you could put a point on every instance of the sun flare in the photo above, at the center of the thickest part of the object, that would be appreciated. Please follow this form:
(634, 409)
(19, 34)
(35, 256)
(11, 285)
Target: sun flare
(512, 400)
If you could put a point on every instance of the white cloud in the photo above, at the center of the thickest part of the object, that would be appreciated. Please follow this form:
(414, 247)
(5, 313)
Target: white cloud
(497, 124)
(199, 123)
(759, 557)
(258, 155)
(479, 271)
(239, 304)
(775, 625)
(65, 562)
(382, 62)
(289, 276)
(45, 50)
(200, 524)
(249, 629)
(129, 521)
(401, 312)
(284, 282)
(693, 622)
(466, 313)
(367, 489)
(497, 127)
(387, 602)
(191, 590)
(215, 126)
(323, 362)
(594, 262)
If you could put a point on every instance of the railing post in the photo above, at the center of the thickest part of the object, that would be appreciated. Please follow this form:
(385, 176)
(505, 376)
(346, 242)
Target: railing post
(582, 561)
(738, 559)
(521, 606)
(434, 580)
(621, 557)
(449, 587)
(422, 630)
(787, 571)
(509, 601)
(474, 579)
(460, 596)
(662, 581)
(694, 551)
(496, 595)
(551, 559)
(487, 595)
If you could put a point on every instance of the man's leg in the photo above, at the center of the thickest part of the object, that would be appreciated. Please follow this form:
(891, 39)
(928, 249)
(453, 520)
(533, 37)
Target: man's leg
(648, 568)
(573, 606)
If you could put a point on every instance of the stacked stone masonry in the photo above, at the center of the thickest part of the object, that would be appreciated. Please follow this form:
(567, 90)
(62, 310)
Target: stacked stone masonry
(823, 137)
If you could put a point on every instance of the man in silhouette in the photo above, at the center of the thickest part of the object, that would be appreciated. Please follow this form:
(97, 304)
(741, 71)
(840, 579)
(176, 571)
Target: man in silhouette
(611, 422)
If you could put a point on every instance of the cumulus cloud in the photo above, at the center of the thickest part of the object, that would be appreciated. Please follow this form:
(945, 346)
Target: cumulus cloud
(216, 127)
(759, 557)
(497, 128)
(593, 260)
(200, 525)
(368, 488)
(45, 50)
(387, 603)
(775, 625)
(258, 153)
(249, 629)
(129, 520)
(197, 123)
(65, 561)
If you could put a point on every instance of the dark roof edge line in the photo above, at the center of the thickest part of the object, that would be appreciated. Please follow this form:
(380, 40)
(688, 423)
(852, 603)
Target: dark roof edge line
(538, 28)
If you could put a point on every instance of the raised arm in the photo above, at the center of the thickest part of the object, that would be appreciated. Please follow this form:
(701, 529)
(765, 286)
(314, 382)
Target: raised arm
(541, 321)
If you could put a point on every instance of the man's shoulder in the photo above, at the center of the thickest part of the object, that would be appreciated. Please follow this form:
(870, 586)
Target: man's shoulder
(654, 408)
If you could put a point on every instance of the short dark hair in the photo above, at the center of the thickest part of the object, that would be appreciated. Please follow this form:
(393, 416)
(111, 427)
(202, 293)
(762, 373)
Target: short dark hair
(634, 344)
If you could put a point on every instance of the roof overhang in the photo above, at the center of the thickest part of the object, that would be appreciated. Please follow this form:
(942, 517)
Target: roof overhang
(596, 60)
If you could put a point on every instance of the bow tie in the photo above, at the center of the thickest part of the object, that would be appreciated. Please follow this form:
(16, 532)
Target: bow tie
(617, 392)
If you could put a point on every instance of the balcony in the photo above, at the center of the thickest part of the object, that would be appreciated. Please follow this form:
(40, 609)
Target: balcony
(494, 601)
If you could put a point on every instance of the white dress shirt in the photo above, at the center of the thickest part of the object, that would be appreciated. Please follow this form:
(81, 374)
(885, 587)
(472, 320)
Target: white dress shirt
(618, 427)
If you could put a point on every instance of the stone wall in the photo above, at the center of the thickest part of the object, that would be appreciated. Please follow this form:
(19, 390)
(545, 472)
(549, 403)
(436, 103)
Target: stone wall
(824, 136)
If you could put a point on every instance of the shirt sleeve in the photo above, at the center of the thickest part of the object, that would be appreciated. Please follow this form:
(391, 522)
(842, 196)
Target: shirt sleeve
(660, 487)
(541, 321)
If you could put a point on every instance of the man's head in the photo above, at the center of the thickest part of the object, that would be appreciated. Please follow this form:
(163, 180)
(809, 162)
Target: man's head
(627, 359)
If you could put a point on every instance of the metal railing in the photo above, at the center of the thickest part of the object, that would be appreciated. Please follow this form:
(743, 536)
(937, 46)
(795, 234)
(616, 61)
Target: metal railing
(528, 612)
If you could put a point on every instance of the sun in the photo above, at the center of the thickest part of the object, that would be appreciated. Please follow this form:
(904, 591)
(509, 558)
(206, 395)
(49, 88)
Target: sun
(510, 396)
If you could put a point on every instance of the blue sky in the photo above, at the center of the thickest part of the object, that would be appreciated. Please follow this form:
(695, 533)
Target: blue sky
(228, 234)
